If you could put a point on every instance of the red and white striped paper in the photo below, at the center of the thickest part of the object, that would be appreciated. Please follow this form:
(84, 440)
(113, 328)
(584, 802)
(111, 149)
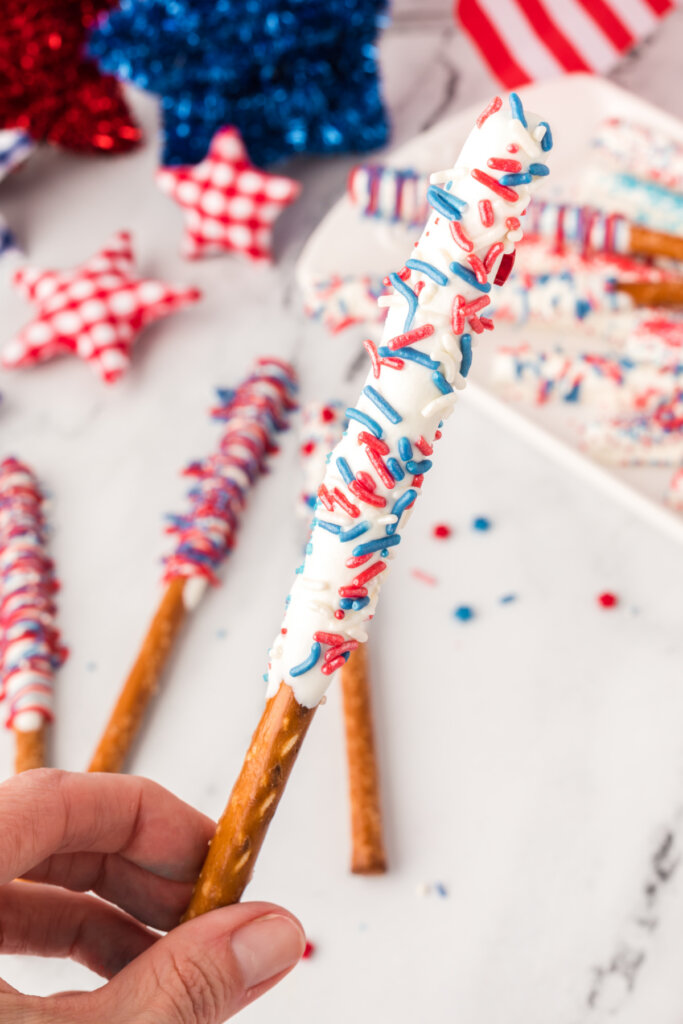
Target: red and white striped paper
(526, 40)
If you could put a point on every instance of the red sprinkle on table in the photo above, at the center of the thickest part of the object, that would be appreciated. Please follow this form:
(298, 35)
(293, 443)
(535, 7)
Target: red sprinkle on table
(308, 952)
(608, 600)
(441, 530)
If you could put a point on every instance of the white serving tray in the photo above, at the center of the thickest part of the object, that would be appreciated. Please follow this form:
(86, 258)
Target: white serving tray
(346, 243)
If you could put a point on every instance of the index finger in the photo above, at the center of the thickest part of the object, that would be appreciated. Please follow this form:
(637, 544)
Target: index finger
(44, 812)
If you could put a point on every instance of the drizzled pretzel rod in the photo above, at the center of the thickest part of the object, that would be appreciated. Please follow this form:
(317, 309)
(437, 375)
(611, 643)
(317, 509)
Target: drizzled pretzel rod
(254, 413)
(367, 840)
(653, 293)
(322, 428)
(30, 647)
(376, 471)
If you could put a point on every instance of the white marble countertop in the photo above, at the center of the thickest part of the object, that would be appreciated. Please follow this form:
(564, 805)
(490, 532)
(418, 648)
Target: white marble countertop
(532, 759)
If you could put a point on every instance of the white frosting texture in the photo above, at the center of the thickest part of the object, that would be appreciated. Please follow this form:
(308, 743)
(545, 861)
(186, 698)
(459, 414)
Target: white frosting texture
(436, 309)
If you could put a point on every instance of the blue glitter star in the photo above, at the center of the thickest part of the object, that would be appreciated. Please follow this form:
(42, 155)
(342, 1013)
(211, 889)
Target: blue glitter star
(292, 75)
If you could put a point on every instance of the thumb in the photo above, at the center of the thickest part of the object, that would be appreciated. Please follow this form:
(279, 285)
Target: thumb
(207, 969)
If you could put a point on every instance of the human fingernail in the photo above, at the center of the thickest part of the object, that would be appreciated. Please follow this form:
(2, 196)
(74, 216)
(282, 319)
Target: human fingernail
(267, 946)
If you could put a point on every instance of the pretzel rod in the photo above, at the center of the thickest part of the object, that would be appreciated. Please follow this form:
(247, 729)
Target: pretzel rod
(653, 293)
(253, 413)
(321, 429)
(29, 749)
(142, 682)
(242, 828)
(645, 242)
(30, 646)
(375, 473)
(367, 842)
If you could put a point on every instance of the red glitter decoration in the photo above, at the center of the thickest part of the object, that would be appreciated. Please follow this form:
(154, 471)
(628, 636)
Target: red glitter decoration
(231, 205)
(93, 311)
(608, 600)
(308, 951)
(442, 531)
(49, 89)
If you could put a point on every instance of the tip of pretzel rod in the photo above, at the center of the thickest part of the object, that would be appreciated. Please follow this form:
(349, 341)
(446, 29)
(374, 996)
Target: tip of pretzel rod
(378, 867)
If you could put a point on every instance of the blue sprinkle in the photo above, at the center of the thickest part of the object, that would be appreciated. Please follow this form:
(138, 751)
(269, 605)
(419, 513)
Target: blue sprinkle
(583, 308)
(463, 613)
(469, 277)
(225, 395)
(516, 179)
(353, 532)
(466, 349)
(517, 109)
(353, 604)
(573, 394)
(221, 634)
(376, 545)
(441, 890)
(394, 467)
(428, 270)
(308, 663)
(449, 206)
(299, 569)
(539, 170)
(441, 383)
(405, 448)
(382, 404)
(401, 505)
(309, 548)
(413, 355)
(547, 140)
(508, 598)
(345, 470)
(481, 523)
(90, 666)
(367, 421)
(324, 525)
(419, 468)
(409, 295)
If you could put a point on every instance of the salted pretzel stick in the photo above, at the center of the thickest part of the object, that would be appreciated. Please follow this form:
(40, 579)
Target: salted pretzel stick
(376, 471)
(30, 647)
(367, 840)
(653, 293)
(321, 429)
(254, 413)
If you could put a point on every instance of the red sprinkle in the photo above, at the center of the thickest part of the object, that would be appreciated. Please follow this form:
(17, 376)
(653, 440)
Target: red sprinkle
(356, 560)
(329, 499)
(417, 334)
(353, 592)
(365, 480)
(496, 164)
(308, 952)
(339, 614)
(328, 667)
(512, 224)
(376, 443)
(485, 212)
(608, 600)
(504, 191)
(404, 274)
(423, 577)
(327, 414)
(438, 435)
(328, 638)
(307, 448)
(369, 573)
(424, 445)
(495, 104)
(493, 254)
(371, 350)
(417, 483)
(512, 148)
(459, 236)
(478, 268)
(442, 531)
(367, 496)
(380, 468)
(344, 648)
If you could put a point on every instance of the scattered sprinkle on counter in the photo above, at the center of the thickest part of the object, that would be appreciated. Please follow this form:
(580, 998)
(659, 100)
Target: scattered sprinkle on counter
(608, 600)
(463, 613)
(507, 598)
(441, 531)
(308, 952)
(481, 523)
(424, 577)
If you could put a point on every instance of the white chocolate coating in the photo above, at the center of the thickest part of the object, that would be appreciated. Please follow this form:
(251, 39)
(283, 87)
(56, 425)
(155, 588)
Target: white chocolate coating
(397, 417)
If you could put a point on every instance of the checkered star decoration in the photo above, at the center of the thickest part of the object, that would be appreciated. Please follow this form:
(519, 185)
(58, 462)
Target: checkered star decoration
(230, 204)
(94, 311)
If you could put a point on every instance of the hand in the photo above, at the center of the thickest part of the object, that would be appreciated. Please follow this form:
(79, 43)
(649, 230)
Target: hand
(140, 849)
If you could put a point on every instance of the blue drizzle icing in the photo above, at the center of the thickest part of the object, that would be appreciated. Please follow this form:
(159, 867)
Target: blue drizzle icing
(470, 277)
(382, 404)
(449, 206)
(517, 109)
(367, 421)
(308, 662)
(429, 270)
(466, 349)
(409, 295)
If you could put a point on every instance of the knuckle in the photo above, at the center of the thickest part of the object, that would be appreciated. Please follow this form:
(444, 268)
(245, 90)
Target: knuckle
(197, 988)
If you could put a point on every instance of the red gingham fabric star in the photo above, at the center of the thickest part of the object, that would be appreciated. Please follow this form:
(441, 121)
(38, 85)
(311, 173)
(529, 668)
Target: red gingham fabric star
(231, 205)
(94, 311)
